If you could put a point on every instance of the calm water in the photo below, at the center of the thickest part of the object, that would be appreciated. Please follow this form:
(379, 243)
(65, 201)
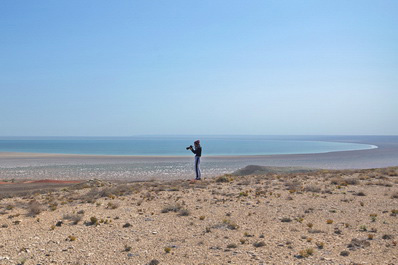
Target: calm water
(175, 146)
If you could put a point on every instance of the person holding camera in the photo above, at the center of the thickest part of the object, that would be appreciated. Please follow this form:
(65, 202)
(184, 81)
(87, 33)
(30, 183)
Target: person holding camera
(198, 153)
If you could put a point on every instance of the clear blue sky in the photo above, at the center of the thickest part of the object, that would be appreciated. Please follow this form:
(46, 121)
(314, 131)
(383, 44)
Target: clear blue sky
(120, 68)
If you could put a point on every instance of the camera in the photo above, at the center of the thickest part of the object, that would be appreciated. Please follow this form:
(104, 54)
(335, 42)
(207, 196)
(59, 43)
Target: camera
(189, 147)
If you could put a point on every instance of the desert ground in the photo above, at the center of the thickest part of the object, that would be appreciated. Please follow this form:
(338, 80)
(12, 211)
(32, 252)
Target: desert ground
(253, 216)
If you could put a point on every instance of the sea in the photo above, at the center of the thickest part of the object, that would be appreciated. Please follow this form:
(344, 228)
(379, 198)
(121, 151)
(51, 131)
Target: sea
(160, 157)
(176, 145)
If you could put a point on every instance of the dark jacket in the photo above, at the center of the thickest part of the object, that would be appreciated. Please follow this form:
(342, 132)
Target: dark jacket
(197, 151)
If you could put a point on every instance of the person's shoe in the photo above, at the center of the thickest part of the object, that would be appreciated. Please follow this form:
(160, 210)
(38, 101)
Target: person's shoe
(198, 179)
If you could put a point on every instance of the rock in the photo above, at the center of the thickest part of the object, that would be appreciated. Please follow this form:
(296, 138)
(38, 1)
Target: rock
(387, 237)
(357, 244)
(154, 262)
(344, 253)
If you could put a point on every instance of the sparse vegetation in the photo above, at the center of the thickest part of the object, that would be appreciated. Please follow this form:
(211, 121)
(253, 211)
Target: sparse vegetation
(34, 208)
(94, 220)
(215, 210)
(72, 238)
(171, 208)
(312, 188)
(167, 249)
(222, 179)
(230, 224)
(112, 205)
(306, 253)
(320, 245)
(75, 218)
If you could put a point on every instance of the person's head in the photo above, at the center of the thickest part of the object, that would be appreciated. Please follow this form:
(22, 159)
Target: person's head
(196, 143)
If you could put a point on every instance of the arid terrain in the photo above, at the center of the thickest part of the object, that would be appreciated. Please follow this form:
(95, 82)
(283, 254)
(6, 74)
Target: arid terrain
(251, 217)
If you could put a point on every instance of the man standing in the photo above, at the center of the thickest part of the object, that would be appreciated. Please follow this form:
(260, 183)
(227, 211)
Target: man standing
(198, 153)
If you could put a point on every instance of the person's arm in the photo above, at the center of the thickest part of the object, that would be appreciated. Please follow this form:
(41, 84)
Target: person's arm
(194, 151)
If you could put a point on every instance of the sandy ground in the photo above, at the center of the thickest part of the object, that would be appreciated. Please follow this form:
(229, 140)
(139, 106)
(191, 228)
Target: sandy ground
(322, 217)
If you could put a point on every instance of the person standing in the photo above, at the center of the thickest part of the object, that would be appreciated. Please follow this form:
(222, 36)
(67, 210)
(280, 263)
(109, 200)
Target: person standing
(198, 153)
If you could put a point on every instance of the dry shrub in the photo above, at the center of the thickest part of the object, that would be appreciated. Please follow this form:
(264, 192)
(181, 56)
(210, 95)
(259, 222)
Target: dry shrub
(226, 224)
(112, 205)
(171, 208)
(34, 208)
(223, 179)
(110, 192)
(384, 183)
(293, 185)
(122, 190)
(312, 188)
(75, 218)
(337, 181)
(351, 181)
(245, 182)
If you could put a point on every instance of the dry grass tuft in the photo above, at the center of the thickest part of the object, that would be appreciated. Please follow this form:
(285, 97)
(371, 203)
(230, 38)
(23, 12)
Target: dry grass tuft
(171, 208)
(34, 208)
(75, 218)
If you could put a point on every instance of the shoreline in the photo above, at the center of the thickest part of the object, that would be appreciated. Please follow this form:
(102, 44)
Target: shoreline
(370, 146)
(7, 154)
(141, 168)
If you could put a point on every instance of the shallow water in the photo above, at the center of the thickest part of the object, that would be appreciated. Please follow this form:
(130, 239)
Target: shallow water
(133, 168)
(176, 146)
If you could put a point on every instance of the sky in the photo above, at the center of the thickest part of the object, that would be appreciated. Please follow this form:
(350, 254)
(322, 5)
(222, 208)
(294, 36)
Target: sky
(123, 68)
